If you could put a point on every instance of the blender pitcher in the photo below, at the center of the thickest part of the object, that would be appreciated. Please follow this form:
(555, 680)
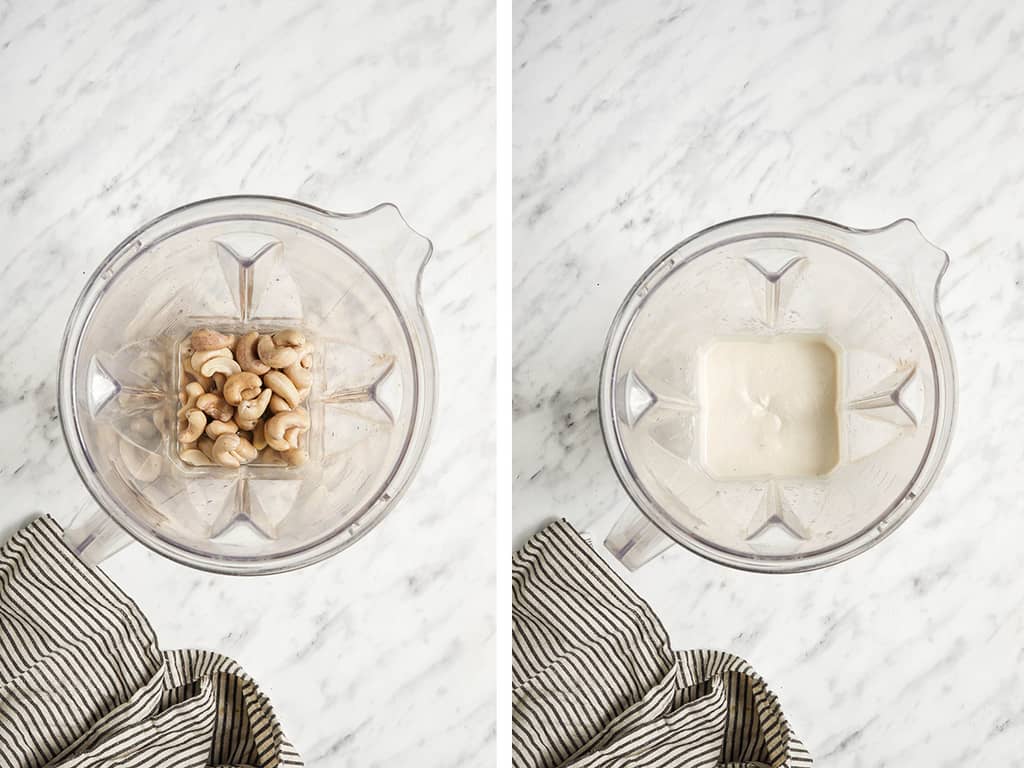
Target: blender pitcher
(349, 282)
(871, 296)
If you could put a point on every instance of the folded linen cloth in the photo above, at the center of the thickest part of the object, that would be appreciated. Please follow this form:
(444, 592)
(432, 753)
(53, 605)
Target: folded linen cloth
(83, 683)
(595, 683)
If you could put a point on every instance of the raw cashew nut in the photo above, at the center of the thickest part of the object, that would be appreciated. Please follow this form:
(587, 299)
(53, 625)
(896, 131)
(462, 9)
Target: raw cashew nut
(242, 386)
(216, 406)
(203, 381)
(280, 423)
(278, 405)
(259, 439)
(270, 456)
(299, 373)
(204, 339)
(205, 445)
(233, 451)
(294, 457)
(275, 356)
(247, 356)
(216, 365)
(217, 428)
(283, 387)
(190, 394)
(246, 449)
(199, 359)
(289, 338)
(195, 457)
(191, 424)
(249, 411)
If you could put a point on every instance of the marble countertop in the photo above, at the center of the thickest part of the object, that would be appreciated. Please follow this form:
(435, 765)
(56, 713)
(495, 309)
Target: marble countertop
(114, 112)
(635, 128)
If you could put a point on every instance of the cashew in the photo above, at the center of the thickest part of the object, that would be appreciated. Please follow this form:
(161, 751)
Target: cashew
(222, 451)
(246, 450)
(275, 356)
(289, 338)
(247, 356)
(278, 405)
(280, 423)
(190, 394)
(191, 423)
(244, 424)
(270, 456)
(205, 445)
(199, 359)
(195, 457)
(204, 339)
(217, 428)
(249, 411)
(242, 386)
(203, 381)
(283, 387)
(294, 457)
(299, 374)
(233, 451)
(216, 406)
(259, 439)
(224, 365)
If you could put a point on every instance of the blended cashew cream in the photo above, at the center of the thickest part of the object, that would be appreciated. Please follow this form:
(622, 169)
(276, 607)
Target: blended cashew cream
(769, 406)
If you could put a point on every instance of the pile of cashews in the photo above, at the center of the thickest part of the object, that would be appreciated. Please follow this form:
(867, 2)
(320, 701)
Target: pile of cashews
(241, 398)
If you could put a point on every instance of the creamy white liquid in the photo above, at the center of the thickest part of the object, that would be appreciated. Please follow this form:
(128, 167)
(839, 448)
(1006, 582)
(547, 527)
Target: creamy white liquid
(770, 406)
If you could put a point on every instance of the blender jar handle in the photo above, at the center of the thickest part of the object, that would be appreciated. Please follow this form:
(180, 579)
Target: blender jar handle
(635, 540)
(93, 536)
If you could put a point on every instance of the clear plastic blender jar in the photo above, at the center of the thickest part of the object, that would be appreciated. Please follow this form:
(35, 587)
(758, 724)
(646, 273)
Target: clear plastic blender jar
(350, 282)
(872, 297)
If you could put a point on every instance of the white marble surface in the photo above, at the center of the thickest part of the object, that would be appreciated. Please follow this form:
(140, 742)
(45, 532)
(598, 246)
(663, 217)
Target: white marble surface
(113, 112)
(637, 124)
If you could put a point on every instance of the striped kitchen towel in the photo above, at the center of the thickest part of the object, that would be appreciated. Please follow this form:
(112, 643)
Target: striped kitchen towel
(83, 683)
(595, 683)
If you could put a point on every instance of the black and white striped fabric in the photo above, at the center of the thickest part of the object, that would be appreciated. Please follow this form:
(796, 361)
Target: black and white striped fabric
(83, 683)
(597, 685)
